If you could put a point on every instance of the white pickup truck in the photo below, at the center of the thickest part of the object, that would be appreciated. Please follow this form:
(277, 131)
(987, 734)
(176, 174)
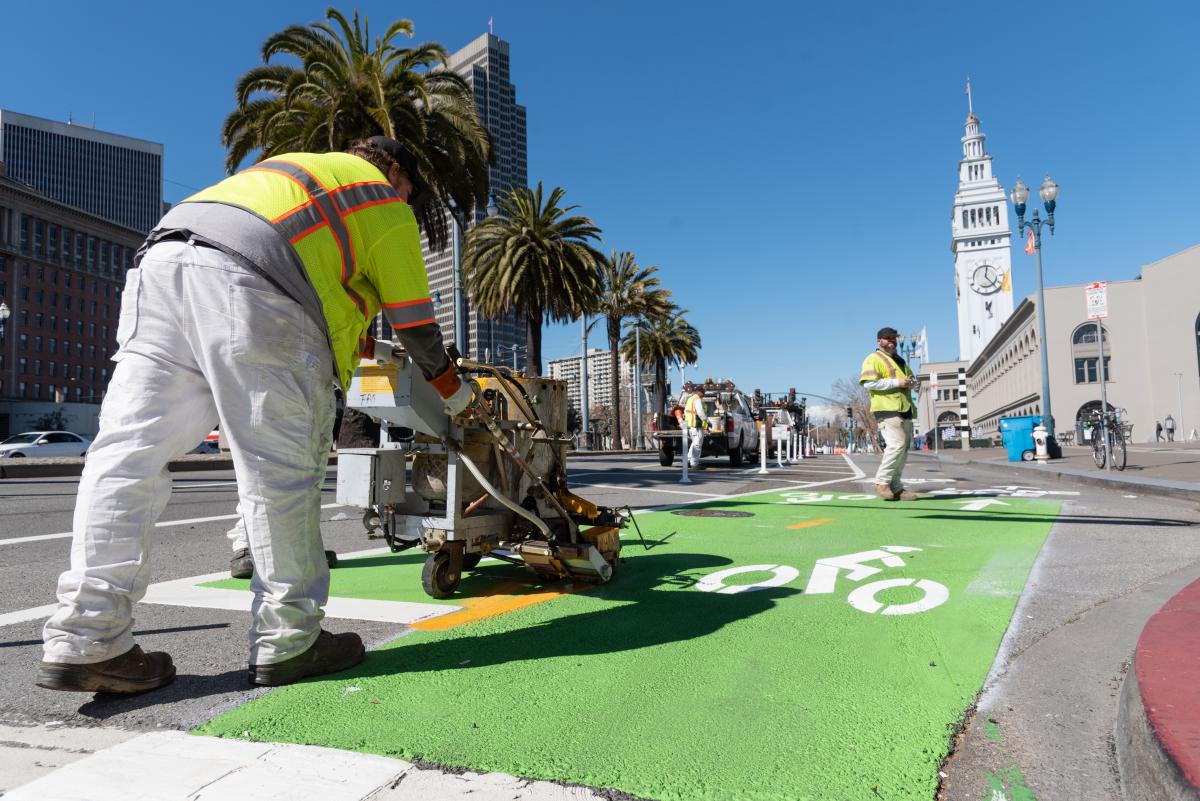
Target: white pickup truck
(731, 428)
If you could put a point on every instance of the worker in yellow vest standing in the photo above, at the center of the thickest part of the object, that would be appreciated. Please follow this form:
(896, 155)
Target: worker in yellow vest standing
(889, 380)
(695, 419)
(247, 303)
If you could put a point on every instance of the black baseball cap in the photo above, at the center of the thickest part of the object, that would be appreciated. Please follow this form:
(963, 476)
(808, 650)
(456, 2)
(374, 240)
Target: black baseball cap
(403, 157)
(887, 332)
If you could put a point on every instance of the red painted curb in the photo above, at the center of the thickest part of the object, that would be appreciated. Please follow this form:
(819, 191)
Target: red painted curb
(1167, 666)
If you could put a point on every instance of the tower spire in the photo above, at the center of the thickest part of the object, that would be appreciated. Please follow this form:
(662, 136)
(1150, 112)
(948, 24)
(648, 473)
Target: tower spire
(970, 108)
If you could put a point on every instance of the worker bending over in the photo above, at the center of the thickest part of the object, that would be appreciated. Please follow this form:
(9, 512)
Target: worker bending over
(246, 303)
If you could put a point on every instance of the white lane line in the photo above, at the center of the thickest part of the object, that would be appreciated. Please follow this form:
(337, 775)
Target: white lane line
(22, 615)
(650, 489)
(857, 470)
(165, 524)
(187, 592)
(205, 486)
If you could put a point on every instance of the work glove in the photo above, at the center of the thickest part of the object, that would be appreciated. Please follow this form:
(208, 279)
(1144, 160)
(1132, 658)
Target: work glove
(457, 403)
(385, 352)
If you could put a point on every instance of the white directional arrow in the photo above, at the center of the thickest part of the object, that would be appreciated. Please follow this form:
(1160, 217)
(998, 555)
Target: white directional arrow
(982, 503)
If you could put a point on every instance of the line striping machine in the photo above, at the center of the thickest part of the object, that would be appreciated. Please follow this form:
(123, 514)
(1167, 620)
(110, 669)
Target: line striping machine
(490, 482)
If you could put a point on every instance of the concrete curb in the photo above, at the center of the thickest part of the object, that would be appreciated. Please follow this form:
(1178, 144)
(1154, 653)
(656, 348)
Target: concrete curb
(1158, 750)
(1144, 486)
(61, 468)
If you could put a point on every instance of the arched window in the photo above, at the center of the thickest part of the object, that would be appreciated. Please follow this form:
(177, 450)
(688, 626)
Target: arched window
(1085, 352)
(964, 218)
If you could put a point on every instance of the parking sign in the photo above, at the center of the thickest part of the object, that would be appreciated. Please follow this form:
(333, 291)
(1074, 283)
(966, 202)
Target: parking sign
(1097, 300)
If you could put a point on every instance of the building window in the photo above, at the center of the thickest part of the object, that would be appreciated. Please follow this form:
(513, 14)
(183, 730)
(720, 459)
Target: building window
(1085, 353)
(24, 340)
(23, 365)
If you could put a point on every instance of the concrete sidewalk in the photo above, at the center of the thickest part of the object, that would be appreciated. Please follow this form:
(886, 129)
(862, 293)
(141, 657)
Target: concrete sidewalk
(1164, 469)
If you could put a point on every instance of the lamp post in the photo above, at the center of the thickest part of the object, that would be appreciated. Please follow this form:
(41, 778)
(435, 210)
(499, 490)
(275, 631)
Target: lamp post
(491, 211)
(5, 313)
(460, 302)
(1049, 195)
(515, 349)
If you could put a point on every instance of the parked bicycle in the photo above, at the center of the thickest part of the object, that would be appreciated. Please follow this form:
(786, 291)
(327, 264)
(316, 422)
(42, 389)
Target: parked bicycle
(1108, 426)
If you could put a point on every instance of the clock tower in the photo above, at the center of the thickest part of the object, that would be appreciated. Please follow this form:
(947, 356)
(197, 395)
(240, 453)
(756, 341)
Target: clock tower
(981, 245)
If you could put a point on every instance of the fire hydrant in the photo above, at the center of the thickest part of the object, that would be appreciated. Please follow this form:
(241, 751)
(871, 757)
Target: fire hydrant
(1040, 439)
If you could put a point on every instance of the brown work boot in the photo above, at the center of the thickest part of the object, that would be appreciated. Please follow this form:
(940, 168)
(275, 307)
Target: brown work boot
(131, 672)
(904, 495)
(885, 492)
(241, 565)
(330, 653)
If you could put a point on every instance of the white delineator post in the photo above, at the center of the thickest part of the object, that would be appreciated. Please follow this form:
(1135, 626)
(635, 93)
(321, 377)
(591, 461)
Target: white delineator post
(684, 478)
(763, 445)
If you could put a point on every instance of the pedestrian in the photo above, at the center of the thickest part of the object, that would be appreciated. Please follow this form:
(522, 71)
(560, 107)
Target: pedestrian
(246, 303)
(1169, 427)
(889, 380)
(1158, 429)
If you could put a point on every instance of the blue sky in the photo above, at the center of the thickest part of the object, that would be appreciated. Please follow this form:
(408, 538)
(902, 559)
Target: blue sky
(790, 167)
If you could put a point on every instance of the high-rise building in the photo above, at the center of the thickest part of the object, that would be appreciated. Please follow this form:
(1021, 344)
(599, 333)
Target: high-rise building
(117, 178)
(61, 275)
(484, 63)
(599, 378)
(981, 243)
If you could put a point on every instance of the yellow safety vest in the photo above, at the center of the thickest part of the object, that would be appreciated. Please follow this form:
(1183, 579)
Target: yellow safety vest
(879, 365)
(358, 241)
(693, 410)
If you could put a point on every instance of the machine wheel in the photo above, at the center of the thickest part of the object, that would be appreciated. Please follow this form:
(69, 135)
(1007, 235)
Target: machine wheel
(1026, 456)
(735, 455)
(471, 560)
(331, 559)
(437, 579)
(666, 456)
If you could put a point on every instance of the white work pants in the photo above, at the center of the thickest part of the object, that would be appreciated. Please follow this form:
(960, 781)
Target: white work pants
(896, 435)
(695, 445)
(202, 339)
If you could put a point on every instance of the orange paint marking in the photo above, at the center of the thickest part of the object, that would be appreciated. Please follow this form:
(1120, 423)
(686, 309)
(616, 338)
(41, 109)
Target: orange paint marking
(820, 521)
(498, 603)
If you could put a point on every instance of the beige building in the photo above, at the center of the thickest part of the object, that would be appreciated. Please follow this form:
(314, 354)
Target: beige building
(599, 378)
(1151, 348)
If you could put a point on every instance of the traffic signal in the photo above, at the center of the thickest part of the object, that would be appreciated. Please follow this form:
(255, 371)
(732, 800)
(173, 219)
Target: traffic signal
(758, 398)
(850, 412)
(792, 395)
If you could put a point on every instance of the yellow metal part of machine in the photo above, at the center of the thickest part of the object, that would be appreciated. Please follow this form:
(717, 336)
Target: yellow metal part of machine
(494, 485)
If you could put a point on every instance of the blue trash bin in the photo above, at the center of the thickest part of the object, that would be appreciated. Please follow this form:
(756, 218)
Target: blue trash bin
(1017, 435)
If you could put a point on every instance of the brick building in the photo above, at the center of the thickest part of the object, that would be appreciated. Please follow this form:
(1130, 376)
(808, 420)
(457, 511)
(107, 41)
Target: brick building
(61, 275)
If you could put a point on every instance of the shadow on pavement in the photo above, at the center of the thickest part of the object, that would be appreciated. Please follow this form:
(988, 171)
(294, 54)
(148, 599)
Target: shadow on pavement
(185, 687)
(648, 614)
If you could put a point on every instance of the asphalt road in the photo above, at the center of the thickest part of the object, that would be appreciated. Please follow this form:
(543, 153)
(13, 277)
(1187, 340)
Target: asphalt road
(1047, 712)
(209, 646)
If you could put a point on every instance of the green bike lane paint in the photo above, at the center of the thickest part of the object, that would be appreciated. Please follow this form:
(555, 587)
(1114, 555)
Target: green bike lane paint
(825, 647)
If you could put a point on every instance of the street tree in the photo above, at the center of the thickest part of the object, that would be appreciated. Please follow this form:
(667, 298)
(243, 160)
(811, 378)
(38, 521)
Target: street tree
(536, 260)
(848, 392)
(629, 291)
(666, 338)
(336, 84)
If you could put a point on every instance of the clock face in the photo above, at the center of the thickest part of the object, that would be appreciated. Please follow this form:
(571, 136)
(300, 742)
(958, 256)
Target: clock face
(986, 279)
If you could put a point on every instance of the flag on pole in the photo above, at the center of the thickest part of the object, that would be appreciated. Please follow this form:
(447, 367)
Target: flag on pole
(1029, 248)
(1006, 284)
(924, 346)
(490, 25)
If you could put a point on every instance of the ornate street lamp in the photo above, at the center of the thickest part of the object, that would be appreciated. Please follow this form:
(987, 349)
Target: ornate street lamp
(1020, 196)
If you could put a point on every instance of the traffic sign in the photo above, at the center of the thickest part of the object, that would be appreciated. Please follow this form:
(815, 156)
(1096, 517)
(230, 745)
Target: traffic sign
(1097, 300)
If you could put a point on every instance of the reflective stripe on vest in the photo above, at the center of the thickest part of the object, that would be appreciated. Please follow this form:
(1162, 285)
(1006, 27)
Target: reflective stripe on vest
(410, 313)
(322, 209)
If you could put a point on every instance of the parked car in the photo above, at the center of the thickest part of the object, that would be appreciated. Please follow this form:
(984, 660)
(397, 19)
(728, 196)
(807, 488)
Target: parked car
(44, 444)
(732, 430)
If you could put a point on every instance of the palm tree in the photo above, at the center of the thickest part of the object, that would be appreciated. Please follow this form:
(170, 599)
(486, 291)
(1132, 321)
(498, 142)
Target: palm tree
(629, 291)
(534, 260)
(665, 338)
(348, 87)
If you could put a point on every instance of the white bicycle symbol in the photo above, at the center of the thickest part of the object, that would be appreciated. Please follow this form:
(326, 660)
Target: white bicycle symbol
(824, 576)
